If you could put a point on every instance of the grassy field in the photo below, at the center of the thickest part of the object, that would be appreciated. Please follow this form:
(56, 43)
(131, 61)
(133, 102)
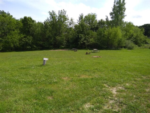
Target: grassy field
(117, 81)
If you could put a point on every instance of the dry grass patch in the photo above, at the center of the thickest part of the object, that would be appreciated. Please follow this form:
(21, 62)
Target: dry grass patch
(113, 102)
(127, 84)
(87, 106)
(96, 56)
(85, 76)
(114, 89)
(112, 105)
(50, 98)
(59, 50)
(66, 78)
(147, 90)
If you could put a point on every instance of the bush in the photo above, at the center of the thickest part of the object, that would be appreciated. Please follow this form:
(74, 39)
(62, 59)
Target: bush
(146, 46)
(129, 44)
(110, 38)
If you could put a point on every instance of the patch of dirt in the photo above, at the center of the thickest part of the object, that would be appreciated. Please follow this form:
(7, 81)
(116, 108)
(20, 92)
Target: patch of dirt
(113, 89)
(111, 105)
(127, 84)
(96, 56)
(59, 50)
(113, 101)
(49, 97)
(66, 78)
(85, 76)
(87, 106)
(147, 90)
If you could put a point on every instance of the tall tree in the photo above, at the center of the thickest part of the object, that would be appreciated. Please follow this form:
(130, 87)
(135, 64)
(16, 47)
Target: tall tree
(101, 23)
(57, 26)
(85, 31)
(118, 13)
(91, 21)
(38, 36)
(28, 32)
(9, 32)
(81, 17)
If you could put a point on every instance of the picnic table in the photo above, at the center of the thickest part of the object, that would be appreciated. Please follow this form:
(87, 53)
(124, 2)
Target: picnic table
(95, 50)
(74, 49)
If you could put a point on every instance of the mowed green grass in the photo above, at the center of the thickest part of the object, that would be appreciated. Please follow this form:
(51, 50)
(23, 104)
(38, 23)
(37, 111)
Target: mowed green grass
(117, 81)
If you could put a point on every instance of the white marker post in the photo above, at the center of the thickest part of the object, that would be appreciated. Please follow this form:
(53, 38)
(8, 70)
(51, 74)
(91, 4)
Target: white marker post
(44, 60)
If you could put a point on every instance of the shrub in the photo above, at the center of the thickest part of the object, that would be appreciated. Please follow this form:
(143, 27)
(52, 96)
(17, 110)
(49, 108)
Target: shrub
(129, 44)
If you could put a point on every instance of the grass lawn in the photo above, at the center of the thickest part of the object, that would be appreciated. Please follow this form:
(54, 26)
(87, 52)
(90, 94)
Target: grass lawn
(117, 81)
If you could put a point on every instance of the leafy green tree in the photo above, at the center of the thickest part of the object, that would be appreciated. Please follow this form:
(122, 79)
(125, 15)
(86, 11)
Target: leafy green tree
(58, 26)
(114, 37)
(91, 40)
(128, 30)
(38, 36)
(27, 30)
(138, 36)
(110, 38)
(81, 30)
(118, 13)
(9, 32)
(47, 38)
(81, 18)
(101, 24)
(28, 24)
(91, 21)
(69, 35)
(146, 28)
(85, 31)
(108, 22)
(101, 38)
(134, 34)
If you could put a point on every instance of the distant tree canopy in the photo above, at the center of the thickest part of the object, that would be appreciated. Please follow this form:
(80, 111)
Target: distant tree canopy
(9, 32)
(58, 31)
(146, 28)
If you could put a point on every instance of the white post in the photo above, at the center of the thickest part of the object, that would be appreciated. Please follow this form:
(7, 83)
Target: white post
(44, 60)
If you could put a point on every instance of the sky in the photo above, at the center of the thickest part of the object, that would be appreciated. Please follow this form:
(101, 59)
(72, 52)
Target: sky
(137, 11)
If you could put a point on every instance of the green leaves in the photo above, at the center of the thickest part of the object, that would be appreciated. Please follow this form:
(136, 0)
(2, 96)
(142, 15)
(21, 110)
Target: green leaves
(58, 31)
(57, 26)
(91, 20)
(146, 29)
(109, 38)
(118, 13)
(9, 32)
(134, 34)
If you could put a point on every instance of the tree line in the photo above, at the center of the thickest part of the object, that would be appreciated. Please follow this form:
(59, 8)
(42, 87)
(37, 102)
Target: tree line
(146, 28)
(58, 31)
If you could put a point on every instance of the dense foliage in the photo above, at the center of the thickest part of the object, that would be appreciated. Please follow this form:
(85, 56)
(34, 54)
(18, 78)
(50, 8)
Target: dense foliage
(146, 28)
(58, 31)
